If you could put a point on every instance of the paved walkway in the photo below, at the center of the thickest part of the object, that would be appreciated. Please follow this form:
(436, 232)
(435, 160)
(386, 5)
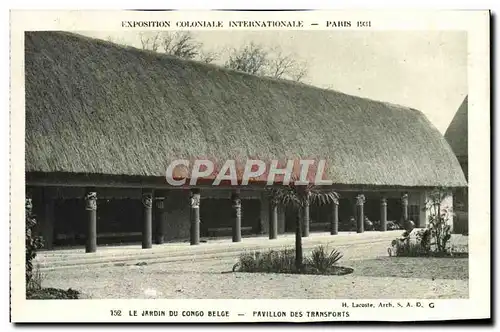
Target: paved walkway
(212, 249)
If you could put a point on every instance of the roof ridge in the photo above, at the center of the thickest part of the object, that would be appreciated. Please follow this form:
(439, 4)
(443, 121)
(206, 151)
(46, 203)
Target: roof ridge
(230, 70)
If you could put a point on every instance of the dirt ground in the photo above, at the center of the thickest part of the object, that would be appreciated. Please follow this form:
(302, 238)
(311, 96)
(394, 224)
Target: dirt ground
(375, 276)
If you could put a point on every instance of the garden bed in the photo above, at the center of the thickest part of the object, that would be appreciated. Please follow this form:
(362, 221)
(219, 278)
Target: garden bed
(320, 262)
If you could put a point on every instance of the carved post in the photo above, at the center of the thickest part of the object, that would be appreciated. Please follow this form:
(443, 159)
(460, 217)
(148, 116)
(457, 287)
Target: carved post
(360, 201)
(195, 216)
(334, 222)
(91, 207)
(305, 223)
(404, 206)
(236, 204)
(160, 219)
(147, 222)
(383, 214)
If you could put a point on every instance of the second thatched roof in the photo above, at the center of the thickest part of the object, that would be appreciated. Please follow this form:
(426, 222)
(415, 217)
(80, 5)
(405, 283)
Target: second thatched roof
(94, 107)
(457, 131)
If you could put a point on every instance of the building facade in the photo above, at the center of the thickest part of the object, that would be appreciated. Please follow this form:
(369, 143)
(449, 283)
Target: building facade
(104, 121)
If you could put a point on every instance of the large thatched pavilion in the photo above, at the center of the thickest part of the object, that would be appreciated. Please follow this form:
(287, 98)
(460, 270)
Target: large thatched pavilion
(103, 122)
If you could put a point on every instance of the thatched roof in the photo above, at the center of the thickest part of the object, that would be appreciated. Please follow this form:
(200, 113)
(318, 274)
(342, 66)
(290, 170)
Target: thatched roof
(94, 107)
(456, 134)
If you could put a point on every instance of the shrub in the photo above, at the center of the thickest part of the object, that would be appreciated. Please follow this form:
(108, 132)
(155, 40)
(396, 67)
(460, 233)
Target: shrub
(282, 261)
(348, 225)
(439, 221)
(424, 245)
(424, 239)
(33, 242)
(392, 225)
(35, 281)
(323, 261)
(368, 224)
(52, 294)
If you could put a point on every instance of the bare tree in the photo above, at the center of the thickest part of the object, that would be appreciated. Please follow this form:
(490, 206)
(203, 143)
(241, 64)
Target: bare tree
(150, 40)
(258, 60)
(282, 65)
(252, 58)
(181, 44)
(208, 56)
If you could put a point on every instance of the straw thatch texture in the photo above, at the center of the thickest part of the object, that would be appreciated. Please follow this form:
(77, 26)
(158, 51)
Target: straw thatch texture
(98, 108)
(456, 134)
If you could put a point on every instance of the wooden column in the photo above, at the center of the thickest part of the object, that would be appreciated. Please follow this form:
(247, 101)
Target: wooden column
(273, 220)
(160, 219)
(236, 213)
(334, 219)
(404, 207)
(305, 220)
(360, 215)
(383, 214)
(195, 216)
(147, 221)
(91, 207)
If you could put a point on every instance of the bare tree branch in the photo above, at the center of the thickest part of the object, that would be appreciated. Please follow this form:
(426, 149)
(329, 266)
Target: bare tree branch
(256, 59)
(208, 56)
(252, 58)
(180, 44)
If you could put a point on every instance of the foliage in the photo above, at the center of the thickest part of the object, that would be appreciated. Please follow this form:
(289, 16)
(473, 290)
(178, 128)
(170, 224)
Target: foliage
(52, 294)
(256, 59)
(283, 261)
(369, 225)
(431, 241)
(32, 242)
(322, 260)
(403, 247)
(35, 282)
(439, 220)
(181, 44)
(297, 197)
(348, 225)
(393, 225)
(424, 240)
(251, 58)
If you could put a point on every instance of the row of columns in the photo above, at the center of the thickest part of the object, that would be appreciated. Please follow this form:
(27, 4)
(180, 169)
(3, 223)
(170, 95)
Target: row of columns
(195, 216)
(334, 217)
(147, 230)
(147, 222)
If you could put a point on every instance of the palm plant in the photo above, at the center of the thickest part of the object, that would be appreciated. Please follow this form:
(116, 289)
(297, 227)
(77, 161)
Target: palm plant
(297, 197)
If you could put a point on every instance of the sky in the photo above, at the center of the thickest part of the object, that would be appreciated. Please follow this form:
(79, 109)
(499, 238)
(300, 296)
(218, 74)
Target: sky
(425, 70)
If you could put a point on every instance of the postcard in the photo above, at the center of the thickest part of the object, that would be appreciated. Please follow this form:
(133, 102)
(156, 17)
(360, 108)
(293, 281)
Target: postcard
(250, 166)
